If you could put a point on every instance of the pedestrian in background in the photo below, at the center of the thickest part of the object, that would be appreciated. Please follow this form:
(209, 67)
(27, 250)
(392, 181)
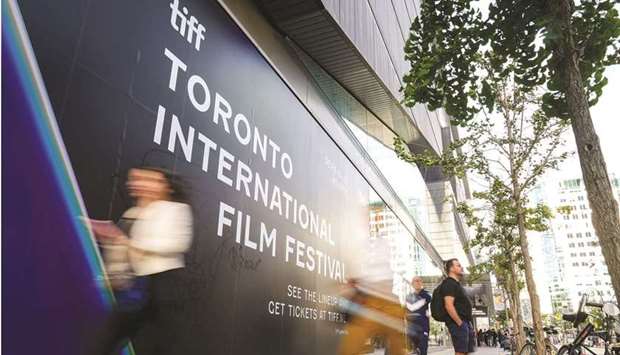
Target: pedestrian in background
(418, 325)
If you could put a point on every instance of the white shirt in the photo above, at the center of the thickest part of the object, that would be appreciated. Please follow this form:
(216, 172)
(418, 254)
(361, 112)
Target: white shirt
(159, 237)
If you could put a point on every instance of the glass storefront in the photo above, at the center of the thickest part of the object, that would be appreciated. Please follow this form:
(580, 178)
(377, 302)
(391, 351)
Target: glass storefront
(389, 236)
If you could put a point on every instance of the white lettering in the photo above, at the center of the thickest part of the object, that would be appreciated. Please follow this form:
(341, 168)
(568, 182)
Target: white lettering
(289, 248)
(274, 152)
(244, 176)
(209, 145)
(224, 163)
(191, 91)
(248, 131)
(159, 124)
(186, 143)
(222, 220)
(220, 104)
(286, 165)
(174, 70)
(246, 241)
(267, 240)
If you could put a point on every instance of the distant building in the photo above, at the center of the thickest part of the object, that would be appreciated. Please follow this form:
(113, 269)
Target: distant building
(391, 245)
(571, 254)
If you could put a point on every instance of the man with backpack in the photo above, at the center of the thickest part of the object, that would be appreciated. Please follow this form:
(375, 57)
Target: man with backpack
(451, 305)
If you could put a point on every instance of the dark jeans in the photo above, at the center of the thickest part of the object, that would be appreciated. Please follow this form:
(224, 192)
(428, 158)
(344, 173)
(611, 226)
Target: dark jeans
(462, 337)
(153, 328)
(419, 338)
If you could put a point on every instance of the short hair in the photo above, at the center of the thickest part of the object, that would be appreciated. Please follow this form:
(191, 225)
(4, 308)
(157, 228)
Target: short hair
(449, 264)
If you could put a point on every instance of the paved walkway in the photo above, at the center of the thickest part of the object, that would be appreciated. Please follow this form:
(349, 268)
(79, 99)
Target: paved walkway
(483, 350)
(436, 350)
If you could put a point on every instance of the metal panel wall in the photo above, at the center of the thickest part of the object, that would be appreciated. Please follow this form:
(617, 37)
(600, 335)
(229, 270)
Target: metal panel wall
(379, 29)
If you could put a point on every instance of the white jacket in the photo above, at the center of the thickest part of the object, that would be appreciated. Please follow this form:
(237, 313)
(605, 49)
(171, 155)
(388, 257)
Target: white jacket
(159, 237)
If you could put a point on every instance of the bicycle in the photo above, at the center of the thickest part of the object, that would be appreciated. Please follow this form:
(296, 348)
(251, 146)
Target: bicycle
(610, 335)
(529, 348)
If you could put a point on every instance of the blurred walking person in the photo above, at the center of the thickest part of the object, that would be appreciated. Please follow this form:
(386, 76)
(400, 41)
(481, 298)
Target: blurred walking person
(371, 313)
(144, 258)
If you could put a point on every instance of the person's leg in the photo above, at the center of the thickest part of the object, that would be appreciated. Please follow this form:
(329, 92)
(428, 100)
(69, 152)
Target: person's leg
(470, 337)
(459, 338)
(423, 343)
(358, 331)
(118, 329)
(413, 334)
(412, 340)
(170, 318)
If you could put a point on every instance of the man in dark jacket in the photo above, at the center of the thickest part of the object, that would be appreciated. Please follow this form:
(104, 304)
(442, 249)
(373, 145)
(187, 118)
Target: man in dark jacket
(418, 326)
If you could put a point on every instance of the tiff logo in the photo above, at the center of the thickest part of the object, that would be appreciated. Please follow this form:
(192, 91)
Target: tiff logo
(191, 27)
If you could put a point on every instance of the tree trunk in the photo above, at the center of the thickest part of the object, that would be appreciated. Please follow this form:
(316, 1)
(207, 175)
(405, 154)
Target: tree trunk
(605, 214)
(539, 334)
(516, 313)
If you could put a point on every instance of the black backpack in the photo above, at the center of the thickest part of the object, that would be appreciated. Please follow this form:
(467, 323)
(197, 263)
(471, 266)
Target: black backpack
(438, 310)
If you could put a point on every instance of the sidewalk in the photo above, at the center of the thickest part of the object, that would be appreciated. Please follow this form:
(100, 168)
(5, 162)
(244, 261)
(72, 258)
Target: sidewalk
(483, 350)
(448, 350)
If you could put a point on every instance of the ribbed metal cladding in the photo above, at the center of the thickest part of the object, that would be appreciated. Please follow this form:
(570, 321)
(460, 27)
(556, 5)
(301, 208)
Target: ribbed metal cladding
(310, 26)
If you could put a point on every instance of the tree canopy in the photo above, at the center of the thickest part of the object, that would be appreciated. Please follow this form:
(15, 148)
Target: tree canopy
(456, 52)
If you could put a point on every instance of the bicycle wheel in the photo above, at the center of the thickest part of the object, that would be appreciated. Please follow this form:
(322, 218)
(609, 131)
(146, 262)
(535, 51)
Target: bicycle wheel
(528, 349)
(566, 350)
